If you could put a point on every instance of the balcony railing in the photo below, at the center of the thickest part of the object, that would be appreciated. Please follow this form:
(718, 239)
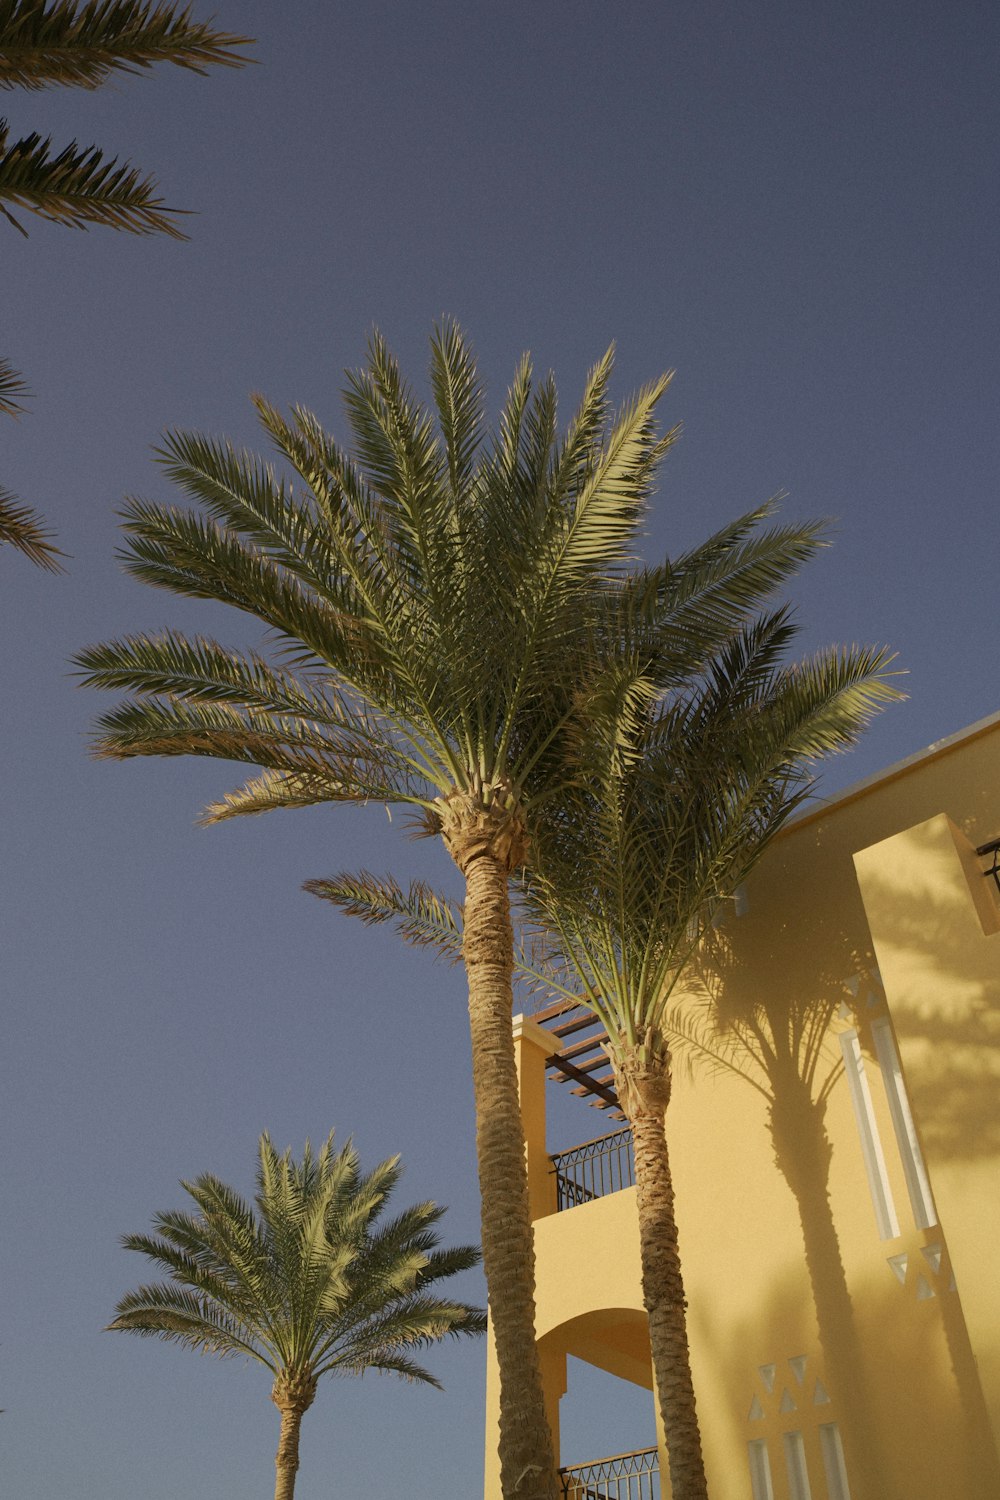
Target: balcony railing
(627, 1476)
(594, 1169)
(992, 848)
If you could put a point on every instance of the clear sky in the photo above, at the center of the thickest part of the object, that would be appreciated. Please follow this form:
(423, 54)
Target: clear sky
(795, 206)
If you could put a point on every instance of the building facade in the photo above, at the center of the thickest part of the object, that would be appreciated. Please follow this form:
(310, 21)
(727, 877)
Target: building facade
(835, 1140)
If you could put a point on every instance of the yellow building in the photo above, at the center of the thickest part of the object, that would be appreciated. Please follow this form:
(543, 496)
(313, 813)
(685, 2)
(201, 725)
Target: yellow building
(874, 918)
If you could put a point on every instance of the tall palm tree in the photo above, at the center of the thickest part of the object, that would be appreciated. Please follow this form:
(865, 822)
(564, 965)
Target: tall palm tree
(450, 606)
(311, 1284)
(630, 868)
(48, 43)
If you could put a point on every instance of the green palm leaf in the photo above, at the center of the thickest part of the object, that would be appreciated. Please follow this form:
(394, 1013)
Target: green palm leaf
(24, 529)
(63, 42)
(79, 186)
(422, 917)
(13, 390)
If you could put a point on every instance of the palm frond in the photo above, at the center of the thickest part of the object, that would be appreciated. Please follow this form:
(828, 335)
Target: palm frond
(825, 703)
(78, 187)
(458, 398)
(244, 494)
(612, 497)
(420, 915)
(307, 708)
(24, 529)
(278, 789)
(594, 526)
(13, 390)
(345, 763)
(384, 1362)
(672, 618)
(170, 1313)
(63, 42)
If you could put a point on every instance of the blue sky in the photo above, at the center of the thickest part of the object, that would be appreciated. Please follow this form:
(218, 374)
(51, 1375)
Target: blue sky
(794, 206)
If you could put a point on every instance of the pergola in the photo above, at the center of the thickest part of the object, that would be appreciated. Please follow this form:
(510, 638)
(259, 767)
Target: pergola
(580, 1058)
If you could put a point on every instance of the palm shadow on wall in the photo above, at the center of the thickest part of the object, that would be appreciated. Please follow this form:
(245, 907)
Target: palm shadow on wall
(945, 992)
(923, 1402)
(760, 1008)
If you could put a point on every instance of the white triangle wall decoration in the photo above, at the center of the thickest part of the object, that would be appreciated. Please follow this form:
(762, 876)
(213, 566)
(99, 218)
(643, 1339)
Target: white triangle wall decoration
(924, 1288)
(798, 1365)
(787, 1404)
(898, 1264)
(820, 1398)
(756, 1412)
(932, 1255)
(767, 1374)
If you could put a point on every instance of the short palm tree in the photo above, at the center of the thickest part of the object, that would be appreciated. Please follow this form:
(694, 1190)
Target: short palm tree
(312, 1283)
(674, 808)
(449, 608)
(51, 43)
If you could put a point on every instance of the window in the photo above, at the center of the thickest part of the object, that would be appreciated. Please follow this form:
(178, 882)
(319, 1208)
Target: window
(871, 1145)
(760, 1470)
(917, 1182)
(833, 1462)
(795, 1463)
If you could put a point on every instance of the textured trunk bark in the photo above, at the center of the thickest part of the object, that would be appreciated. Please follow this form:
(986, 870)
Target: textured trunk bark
(644, 1091)
(802, 1153)
(286, 1461)
(481, 844)
(293, 1393)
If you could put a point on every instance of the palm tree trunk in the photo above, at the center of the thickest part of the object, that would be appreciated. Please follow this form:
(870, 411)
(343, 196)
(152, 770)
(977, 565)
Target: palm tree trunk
(480, 841)
(802, 1153)
(644, 1091)
(286, 1461)
(292, 1393)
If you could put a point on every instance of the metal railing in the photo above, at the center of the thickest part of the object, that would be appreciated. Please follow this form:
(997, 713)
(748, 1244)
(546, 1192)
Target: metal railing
(993, 847)
(626, 1476)
(594, 1169)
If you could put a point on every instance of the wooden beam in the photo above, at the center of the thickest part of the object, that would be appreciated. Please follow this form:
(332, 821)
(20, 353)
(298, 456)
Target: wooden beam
(592, 1085)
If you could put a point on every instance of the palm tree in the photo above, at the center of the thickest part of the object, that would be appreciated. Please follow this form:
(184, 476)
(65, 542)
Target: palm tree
(630, 867)
(82, 46)
(311, 1284)
(450, 605)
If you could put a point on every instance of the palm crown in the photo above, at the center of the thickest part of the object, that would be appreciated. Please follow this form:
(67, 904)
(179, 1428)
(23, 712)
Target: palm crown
(311, 1283)
(445, 605)
(667, 823)
(677, 796)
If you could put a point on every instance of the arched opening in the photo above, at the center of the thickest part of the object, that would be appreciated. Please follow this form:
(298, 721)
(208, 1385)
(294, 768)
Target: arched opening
(607, 1418)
